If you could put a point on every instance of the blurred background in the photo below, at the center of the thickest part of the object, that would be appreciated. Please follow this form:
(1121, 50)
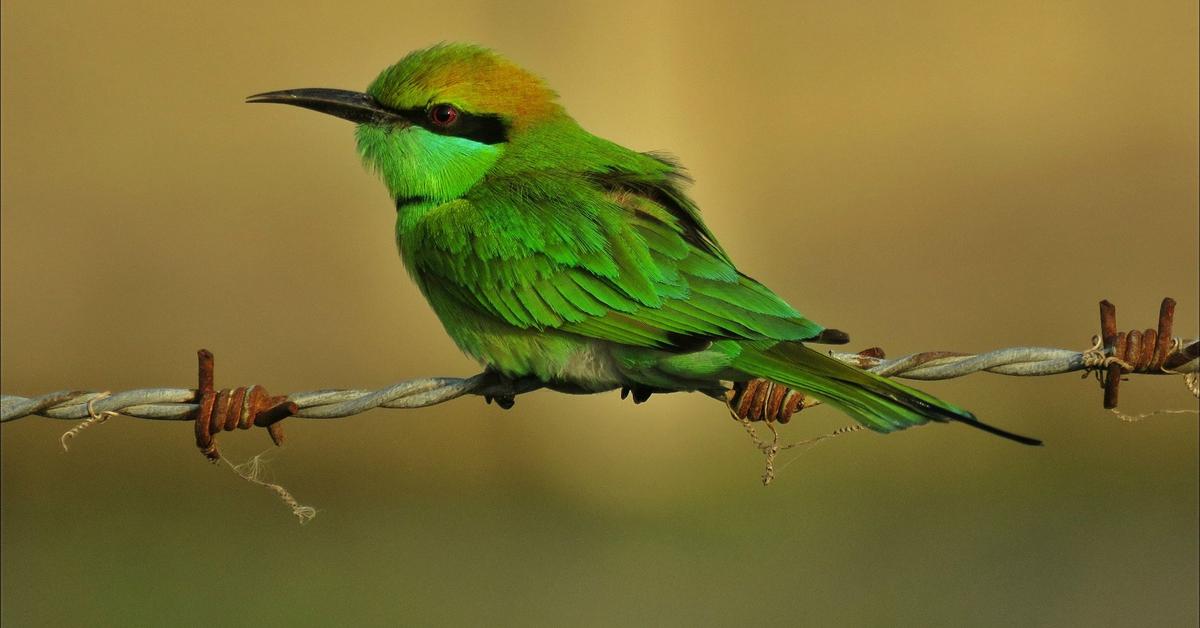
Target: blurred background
(925, 175)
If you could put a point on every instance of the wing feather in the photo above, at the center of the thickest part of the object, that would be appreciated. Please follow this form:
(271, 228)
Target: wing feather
(621, 260)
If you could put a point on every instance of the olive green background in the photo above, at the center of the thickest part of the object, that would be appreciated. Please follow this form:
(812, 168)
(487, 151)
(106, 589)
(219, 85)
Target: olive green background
(924, 175)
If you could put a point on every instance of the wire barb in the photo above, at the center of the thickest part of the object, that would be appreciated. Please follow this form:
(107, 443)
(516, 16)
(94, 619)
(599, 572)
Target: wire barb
(1149, 351)
(764, 400)
(238, 408)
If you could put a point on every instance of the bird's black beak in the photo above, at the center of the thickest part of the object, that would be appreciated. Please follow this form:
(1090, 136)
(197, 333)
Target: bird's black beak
(353, 106)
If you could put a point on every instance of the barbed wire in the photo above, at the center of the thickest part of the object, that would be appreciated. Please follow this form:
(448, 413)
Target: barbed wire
(1112, 355)
(179, 404)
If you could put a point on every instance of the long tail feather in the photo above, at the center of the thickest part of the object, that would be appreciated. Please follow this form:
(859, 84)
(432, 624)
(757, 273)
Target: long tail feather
(878, 403)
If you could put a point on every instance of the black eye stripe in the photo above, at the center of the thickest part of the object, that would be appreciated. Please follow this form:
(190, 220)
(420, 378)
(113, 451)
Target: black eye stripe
(482, 128)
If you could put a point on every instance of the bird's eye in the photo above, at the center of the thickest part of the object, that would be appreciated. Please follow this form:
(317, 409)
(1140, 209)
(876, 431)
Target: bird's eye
(443, 115)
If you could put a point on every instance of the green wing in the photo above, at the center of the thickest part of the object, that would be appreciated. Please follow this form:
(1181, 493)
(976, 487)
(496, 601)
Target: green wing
(615, 258)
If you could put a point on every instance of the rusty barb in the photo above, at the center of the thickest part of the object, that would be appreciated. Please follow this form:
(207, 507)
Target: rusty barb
(237, 408)
(1113, 354)
(1149, 352)
(764, 400)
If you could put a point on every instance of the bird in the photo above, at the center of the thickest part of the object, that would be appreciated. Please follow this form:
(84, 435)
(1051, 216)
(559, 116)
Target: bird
(555, 256)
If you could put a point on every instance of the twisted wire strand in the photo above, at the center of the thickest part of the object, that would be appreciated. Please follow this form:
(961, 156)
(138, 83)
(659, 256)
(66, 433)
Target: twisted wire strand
(94, 418)
(1016, 361)
(179, 404)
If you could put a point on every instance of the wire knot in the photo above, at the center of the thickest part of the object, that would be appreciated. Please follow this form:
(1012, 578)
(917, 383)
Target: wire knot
(1098, 358)
(237, 408)
(764, 400)
(94, 418)
(1151, 351)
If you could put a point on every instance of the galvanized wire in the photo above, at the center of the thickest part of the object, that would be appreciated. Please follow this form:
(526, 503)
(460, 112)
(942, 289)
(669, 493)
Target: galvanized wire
(1017, 361)
(179, 404)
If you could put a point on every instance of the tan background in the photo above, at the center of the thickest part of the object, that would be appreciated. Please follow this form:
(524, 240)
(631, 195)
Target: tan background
(925, 175)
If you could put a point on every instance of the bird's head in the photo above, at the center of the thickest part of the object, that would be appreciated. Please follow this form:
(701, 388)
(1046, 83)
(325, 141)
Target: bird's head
(435, 123)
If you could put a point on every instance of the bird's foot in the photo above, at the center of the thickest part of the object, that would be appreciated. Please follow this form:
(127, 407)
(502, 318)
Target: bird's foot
(640, 393)
(504, 401)
(503, 389)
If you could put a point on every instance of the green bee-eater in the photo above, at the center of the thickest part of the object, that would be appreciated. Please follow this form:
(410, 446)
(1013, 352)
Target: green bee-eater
(550, 253)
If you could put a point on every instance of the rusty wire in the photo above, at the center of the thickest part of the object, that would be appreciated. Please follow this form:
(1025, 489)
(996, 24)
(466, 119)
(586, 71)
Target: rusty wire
(1113, 354)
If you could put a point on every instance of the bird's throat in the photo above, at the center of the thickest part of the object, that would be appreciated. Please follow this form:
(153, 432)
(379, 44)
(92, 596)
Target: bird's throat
(419, 166)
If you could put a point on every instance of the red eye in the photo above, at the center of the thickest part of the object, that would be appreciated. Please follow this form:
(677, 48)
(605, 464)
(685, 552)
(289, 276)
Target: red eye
(443, 115)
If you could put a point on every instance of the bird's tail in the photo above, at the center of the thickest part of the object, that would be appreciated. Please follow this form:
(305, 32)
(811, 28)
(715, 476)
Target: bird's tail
(878, 403)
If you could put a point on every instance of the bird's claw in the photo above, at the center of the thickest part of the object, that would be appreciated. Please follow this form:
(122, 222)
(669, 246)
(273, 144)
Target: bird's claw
(640, 394)
(504, 401)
